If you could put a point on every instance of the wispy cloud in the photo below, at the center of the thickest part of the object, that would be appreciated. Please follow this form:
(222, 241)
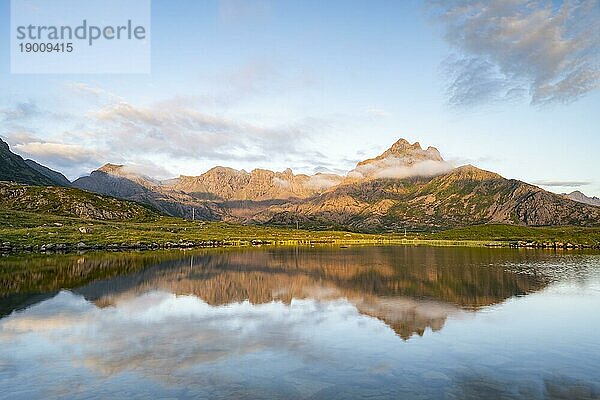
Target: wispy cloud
(562, 183)
(95, 92)
(547, 52)
(175, 131)
(58, 153)
(394, 167)
(180, 130)
(20, 111)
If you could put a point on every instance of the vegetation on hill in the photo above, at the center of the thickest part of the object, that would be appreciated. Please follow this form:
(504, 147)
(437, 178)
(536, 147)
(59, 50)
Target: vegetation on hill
(30, 230)
(46, 232)
(69, 202)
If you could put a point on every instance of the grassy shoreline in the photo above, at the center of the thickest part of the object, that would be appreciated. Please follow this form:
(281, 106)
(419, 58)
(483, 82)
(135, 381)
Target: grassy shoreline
(32, 232)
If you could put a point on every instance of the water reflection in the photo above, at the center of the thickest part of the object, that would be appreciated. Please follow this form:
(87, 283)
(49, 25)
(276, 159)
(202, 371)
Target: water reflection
(410, 289)
(319, 323)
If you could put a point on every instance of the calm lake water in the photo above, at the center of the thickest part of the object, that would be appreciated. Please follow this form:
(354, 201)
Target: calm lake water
(302, 323)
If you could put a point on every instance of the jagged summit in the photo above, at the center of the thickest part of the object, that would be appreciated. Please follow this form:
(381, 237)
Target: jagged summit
(402, 145)
(401, 160)
(408, 153)
(257, 185)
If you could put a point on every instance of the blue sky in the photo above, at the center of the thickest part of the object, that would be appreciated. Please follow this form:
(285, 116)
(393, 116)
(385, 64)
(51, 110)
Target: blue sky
(318, 86)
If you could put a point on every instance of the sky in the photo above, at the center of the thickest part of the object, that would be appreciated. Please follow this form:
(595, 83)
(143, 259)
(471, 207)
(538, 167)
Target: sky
(509, 86)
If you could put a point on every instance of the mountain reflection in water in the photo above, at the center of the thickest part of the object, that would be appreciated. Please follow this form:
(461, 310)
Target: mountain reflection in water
(410, 289)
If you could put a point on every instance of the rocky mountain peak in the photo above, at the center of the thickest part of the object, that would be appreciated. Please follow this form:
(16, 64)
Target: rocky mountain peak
(14, 169)
(402, 160)
(113, 169)
(408, 153)
(403, 145)
(132, 173)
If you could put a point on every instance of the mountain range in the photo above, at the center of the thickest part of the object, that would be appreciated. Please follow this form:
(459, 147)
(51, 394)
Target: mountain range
(406, 187)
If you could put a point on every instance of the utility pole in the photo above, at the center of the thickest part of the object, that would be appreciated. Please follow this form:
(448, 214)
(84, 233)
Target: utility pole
(297, 225)
(193, 214)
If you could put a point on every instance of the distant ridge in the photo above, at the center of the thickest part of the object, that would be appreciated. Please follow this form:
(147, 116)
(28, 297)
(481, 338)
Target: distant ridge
(582, 198)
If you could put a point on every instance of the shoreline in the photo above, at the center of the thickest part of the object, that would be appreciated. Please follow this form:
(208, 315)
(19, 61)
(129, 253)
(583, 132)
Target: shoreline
(7, 249)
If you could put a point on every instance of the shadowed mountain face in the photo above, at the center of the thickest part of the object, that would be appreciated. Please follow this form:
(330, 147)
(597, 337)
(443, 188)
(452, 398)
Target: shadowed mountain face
(14, 169)
(57, 177)
(410, 289)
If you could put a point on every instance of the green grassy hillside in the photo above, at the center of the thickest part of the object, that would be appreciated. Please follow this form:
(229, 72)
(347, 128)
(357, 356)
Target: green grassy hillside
(24, 229)
(69, 202)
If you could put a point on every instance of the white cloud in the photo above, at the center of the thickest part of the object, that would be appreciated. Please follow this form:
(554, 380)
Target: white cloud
(509, 48)
(21, 111)
(179, 130)
(559, 183)
(93, 91)
(171, 133)
(58, 153)
(185, 331)
(398, 168)
(322, 181)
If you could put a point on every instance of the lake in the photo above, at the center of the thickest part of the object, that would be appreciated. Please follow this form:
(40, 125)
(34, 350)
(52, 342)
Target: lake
(302, 323)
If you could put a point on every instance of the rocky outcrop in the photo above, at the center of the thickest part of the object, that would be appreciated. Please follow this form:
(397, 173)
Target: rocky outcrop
(409, 153)
(402, 160)
(225, 184)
